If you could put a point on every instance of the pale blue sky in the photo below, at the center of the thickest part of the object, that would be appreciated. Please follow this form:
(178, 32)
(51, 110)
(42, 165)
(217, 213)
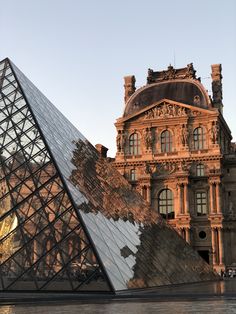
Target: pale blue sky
(77, 52)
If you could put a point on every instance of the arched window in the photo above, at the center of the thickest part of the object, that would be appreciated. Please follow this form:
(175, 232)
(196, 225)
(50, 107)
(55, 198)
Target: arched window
(133, 175)
(134, 144)
(166, 204)
(200, 170)
(201, 203)
(199, 138)
(166, 141)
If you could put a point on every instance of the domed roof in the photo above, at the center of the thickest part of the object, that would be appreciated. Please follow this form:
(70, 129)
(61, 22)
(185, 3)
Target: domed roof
(186, 91)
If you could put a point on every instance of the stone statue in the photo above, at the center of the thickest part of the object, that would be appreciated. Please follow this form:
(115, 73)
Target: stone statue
(118, 141)
(190, 71)
(184, 135)
(214, 132)
(148, 138)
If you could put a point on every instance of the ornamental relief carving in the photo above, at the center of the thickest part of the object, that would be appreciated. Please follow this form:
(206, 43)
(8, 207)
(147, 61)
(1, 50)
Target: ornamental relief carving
(166, 168)
(167, 110)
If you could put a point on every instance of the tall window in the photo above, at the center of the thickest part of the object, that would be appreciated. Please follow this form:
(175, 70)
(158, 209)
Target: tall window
(200, 170)
(144, 192)
(166, 141)
(166, 204)
(133, 175)
(134, 144)
(201, 203)
(199, 138)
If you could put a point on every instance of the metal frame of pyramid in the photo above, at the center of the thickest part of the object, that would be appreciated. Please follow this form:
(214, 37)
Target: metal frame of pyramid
(68, 220)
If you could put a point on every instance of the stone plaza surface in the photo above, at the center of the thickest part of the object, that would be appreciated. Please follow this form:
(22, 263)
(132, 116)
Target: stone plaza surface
(217, 297)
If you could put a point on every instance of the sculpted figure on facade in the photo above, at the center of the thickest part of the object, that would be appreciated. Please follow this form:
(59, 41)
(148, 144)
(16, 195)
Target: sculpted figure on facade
(214, 132)
(148, 138)
(169, 74)
(190, 71)
(184, 135)
(120, 141)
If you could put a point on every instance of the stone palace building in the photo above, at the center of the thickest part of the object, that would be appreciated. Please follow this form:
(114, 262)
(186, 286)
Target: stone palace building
(174, 147)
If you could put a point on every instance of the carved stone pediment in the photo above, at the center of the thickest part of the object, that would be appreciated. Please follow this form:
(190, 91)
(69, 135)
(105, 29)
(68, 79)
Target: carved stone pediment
(169, 109)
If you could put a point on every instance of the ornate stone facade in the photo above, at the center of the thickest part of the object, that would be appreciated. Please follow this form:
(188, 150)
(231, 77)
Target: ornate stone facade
(174, 147)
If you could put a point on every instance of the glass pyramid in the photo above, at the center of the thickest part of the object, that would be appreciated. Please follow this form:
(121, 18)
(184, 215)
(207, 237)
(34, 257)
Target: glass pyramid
(68, 220)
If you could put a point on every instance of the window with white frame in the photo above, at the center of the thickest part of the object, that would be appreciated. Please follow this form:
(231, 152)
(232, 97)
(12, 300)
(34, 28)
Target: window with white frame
(133, 175)
(166, 141)
(200, 170)
(166, 204)
(201, 203)
(134, 144)
(199, 138)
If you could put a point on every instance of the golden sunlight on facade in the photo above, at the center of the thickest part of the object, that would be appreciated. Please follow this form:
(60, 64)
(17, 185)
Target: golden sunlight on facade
(174, 147)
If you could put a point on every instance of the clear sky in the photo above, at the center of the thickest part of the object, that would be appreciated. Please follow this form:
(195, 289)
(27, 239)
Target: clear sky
(77, 52)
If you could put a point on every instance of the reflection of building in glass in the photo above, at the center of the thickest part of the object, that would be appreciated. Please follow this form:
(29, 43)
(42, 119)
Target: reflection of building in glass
(184, 161)
(68, 219)
(7, 225)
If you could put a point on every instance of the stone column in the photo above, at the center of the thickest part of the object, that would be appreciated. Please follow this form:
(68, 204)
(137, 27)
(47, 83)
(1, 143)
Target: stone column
(213, 240)
(186, 207)
(218, 207)
(180, 199)
(211, 198)
(187, 233)
(221, 246)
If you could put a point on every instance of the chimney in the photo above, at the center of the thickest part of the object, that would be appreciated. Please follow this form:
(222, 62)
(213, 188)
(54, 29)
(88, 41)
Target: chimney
(129, 86)
(217, 86)
(102, 150)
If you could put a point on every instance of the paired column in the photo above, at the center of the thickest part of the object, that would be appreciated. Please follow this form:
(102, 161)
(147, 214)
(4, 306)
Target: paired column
(217, 246)
(215, 201)
(184, 232)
